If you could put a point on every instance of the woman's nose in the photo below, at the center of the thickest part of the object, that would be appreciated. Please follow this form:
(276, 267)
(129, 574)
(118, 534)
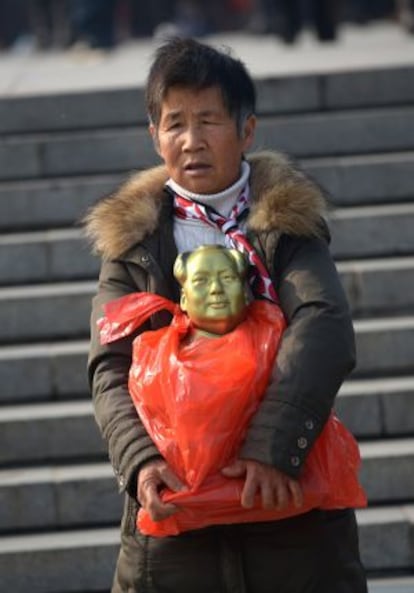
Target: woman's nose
(193, 138)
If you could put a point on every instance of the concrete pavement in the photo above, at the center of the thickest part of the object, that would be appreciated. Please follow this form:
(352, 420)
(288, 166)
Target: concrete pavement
(381, 44)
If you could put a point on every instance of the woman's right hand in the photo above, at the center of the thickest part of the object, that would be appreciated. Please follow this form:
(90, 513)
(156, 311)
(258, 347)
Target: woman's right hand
(152, 477)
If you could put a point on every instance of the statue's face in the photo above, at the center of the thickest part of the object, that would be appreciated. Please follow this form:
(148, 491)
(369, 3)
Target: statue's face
(214, 295)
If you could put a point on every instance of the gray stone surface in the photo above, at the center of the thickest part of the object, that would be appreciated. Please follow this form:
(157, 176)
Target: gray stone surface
(45, 371)
(50, 312)
(49, 432)
(75, 111)
(387, 470)
(386, 538)
(361, 414)
(128, 148)
(391, 585)
(399, 412)
(378, 407)
(51, 496)
(372, 231)
(45, 203)
(98, 152)
(354, 132)
(376, 87)
(276, 94)
(351, 180)
(46, 256)
(82, 561)
(287, 94)
(377, 286)
(76, 153)
(385, 346)
(19, 159)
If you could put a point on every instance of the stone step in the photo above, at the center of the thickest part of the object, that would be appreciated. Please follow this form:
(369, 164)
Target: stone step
(339, 133)
(61, 254)
(57, 311)
(120, 149)
(51, 203)
(365, 179)
(387, 470)
(51, 497)
(380, 285)
(386, 538)
(84, 560)
(48, 432)
(377, 407)
(77, 153)
(52, 311)
(391, 585)
(41, 256)
(372, 231)
(46, 312)
(283, 94)
(46, 371)
(80, 561)
(384, 346)
(40, 203)
(56, 497)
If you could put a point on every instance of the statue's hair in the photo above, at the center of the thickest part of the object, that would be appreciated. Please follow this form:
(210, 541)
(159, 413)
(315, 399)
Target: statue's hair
(237, 259)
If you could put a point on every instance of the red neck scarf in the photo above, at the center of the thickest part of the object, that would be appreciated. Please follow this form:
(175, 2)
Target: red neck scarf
(259, 278)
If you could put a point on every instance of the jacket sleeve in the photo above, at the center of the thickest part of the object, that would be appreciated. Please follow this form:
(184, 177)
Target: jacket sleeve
(128, 443)
(316, 353)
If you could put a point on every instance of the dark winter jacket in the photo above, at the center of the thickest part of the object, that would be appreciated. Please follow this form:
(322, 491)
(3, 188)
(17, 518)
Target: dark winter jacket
(133, 232)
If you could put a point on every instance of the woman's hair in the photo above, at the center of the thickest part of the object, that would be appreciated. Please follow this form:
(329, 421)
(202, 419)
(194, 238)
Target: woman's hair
(188, 63)
(236, 258)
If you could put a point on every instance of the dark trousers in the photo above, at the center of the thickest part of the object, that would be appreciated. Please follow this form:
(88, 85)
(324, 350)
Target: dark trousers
(323, 13)
(313, 553)
(94, 21)
(50, 23)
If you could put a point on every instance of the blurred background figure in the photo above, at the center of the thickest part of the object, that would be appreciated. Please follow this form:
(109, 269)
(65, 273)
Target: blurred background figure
(50, 23)
(102, 24)
(93, 22)
(13, 21)
(141, 18)
(287, 18)
(405, 13)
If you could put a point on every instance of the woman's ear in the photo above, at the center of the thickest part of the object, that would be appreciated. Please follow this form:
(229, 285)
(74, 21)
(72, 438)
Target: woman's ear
(154, 135)
(248, 131)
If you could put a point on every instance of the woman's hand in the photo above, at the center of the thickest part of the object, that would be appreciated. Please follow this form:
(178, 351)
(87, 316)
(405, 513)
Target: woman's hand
(152, 477)
(277, 489)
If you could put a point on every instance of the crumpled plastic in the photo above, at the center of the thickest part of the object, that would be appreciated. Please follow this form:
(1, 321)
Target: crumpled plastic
(196, 399)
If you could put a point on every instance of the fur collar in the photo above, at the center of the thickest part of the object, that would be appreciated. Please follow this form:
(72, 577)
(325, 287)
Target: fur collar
(284, 200)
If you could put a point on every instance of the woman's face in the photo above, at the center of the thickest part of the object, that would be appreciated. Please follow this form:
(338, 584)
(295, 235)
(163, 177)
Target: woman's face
(199, 141)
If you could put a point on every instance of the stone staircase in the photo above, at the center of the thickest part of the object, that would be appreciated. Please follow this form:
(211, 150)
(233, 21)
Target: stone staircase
(59, 507)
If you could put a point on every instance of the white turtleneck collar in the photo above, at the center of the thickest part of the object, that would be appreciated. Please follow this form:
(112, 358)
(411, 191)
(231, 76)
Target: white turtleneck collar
(223, 201)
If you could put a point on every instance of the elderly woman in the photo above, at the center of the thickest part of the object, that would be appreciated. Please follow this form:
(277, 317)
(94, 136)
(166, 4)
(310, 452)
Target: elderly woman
(201, 107)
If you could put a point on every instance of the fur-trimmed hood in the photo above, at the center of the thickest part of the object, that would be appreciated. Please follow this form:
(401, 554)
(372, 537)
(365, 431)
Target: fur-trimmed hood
(283, 199)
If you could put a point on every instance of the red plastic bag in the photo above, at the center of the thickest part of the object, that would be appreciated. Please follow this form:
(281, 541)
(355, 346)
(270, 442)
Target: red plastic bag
(196, 400)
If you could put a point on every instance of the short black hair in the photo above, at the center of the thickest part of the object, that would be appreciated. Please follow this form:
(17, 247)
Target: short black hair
(189, 63)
